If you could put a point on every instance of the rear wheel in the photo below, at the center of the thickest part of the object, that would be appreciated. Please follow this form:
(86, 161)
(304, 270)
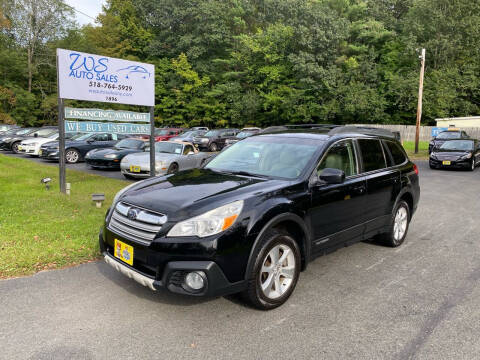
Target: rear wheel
(398, 226)
(72, 156)
(275, 272)
(15, 147)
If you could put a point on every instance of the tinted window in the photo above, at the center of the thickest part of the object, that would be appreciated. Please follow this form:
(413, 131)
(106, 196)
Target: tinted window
(372, 154)
(449, 135)
(340, 156)
(461, 145)
(397, 153)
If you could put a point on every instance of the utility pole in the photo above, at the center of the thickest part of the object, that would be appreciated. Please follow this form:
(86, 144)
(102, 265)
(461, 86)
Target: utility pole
(420, 97)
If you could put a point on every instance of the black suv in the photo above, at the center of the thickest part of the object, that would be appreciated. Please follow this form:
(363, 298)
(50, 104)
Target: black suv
(214, 140)
(251, 219)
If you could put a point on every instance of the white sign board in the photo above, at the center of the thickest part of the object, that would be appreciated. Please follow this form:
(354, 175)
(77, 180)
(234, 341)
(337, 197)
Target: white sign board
(83, 76)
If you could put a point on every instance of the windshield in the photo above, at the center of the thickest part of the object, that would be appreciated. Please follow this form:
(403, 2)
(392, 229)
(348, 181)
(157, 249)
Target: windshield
(266, 156)
(161, 132)
(211, 133)
(187, 135)
(449, 135)
(168, 147)
(53, 136)
(244, 134)
(81, 137)
(129, 144)
(45, 132)
(23, 131)
(11, 131)
(459, 145)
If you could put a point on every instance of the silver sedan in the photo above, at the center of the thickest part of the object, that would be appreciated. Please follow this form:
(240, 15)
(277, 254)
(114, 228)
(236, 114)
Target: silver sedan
(170, 157)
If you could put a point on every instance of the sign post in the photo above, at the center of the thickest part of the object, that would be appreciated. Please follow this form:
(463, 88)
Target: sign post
(420, 97)
(90, 77)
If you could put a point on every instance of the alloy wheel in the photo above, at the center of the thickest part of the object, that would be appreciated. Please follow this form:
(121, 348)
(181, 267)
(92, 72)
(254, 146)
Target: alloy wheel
(71, 156)
(277, 271)
(400, 224)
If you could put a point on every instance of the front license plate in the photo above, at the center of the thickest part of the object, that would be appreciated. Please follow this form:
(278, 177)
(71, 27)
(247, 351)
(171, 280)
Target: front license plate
(20, 147)
(446, 162)
(134, 168)
(124, 252)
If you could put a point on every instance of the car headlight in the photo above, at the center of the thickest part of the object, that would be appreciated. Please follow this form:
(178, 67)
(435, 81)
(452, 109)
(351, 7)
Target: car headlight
(433, 155)
(159, 164)
(466, 156)
(111, 156)
(210, 223)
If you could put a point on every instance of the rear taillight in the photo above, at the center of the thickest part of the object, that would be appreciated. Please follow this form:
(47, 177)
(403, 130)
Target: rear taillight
(415, 168)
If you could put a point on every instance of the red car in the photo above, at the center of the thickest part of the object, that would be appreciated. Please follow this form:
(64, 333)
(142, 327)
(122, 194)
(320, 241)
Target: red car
(165, 134)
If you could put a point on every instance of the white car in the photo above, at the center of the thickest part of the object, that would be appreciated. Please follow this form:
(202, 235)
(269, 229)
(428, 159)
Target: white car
(32, 146)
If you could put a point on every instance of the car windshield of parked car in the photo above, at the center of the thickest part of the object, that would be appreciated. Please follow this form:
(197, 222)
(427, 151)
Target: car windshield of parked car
(53, 136)
(244, 134)
(10, 132)
(129, 144)
(161, 132)
(187, 135)
(82, 137)
(449, 135)
(45, 132)
(211, 133)
(278, 157)
(23, 131)
(459, 145)
(168, 147)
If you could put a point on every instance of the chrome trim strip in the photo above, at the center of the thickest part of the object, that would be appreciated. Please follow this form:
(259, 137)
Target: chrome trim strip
(142, 235)
(135, 224)
(141, 279)
(128, 236)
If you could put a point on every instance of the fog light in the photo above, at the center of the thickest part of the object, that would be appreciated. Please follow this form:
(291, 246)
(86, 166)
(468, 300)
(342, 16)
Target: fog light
(195, 280)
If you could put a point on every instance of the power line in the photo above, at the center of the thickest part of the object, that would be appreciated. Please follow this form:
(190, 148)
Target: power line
(78, 11)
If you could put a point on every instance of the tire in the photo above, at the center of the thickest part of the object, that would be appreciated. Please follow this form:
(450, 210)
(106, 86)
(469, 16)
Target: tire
(398, 230)
(276, 288)
(173, 168)
(72, 156)
(213, 147)
(432, 167)
(15, 147)
(473, 165)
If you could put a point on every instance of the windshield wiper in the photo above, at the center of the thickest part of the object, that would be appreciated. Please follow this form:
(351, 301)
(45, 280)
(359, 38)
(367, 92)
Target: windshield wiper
(246, 173)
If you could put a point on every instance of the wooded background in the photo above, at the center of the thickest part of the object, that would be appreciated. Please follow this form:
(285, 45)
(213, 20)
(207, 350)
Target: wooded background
(256, 62)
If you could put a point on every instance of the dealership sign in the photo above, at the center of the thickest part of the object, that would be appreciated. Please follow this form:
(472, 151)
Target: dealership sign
(109, 115)
(98, 127)
(90, 77)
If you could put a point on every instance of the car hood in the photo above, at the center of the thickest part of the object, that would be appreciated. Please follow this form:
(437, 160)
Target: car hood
(100, 153)
(195, 190)
(143, 158)
(40, 140)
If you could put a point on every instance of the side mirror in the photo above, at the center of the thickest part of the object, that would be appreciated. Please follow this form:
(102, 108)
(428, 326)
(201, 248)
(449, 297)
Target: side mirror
(332, 176)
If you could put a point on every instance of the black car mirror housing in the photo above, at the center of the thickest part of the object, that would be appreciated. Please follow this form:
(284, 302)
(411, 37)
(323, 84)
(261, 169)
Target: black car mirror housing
(332, 176)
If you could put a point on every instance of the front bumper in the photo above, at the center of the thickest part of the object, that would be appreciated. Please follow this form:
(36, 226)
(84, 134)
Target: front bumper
(454, 164)
(158, 270)
(103, 163)
(49, 154)
(28, 149)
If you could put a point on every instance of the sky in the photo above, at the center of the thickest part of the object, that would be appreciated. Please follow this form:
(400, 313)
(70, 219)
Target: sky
(89, 7)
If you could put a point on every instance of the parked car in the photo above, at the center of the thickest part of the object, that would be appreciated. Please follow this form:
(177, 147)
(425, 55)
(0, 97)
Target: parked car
(77, 147)
(445, 136)
(214, 140)
(110, 158)
(170, 157)
(204, 128)
(11, 143)
(244, 133)
(252, 218)
(12, 132)
(189, 135)
(456, 154)
(32, 146)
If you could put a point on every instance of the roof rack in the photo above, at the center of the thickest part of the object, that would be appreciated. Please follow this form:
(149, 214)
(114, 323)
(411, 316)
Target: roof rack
(363, 130)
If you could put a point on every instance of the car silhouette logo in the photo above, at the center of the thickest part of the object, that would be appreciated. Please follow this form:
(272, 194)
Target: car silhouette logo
(132, 214)
(135, 71)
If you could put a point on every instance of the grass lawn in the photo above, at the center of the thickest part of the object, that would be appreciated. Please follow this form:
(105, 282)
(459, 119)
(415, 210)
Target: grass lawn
(409, 147)
(42, 229)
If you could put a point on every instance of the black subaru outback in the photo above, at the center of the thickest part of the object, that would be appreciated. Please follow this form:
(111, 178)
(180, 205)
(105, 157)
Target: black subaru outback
(254, 217)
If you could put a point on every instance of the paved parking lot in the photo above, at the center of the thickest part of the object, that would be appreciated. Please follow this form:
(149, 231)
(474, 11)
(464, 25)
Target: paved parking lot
(419, 301)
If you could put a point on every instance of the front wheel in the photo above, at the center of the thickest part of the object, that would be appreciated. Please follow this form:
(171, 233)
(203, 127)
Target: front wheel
(15, 147)
(213, 147)
(172, 169)
(473, 165)
(275, 273)
(398, 226)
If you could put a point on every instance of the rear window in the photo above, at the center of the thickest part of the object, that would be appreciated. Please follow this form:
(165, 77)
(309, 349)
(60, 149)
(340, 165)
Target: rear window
(372, 154)
(397, 153)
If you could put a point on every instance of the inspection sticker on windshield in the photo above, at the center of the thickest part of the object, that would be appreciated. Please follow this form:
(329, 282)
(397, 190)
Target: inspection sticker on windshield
(446, 162)
(124, 252)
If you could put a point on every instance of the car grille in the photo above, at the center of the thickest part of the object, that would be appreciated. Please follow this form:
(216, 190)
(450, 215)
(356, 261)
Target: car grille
(136, 224)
